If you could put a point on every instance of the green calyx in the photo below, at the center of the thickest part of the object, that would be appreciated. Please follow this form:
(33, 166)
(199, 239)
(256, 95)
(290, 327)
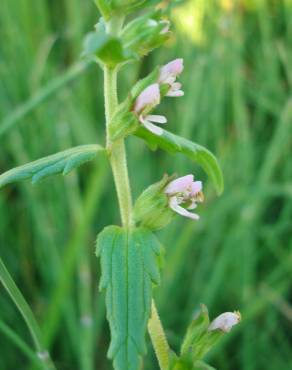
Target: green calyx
(151, 209)
(145, 33)
(125, 121)
(200, 338)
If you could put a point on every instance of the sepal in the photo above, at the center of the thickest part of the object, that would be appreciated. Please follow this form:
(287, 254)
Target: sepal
(202, 336)
(151, 209)
(145, 33)
(125, 121)
(196, 330)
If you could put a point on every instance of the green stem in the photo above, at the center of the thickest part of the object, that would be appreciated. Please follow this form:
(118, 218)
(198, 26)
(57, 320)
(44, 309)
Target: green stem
(117, 151)
(118, 162)
(27, 315)
(158, 338)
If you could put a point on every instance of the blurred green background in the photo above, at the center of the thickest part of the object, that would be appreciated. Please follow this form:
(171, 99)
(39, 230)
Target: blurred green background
(238, 103)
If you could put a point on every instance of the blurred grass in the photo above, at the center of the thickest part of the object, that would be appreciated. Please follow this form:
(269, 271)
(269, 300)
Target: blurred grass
(237, 82)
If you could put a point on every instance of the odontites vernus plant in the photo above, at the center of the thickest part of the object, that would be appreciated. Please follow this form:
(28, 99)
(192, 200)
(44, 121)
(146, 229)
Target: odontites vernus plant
(130, 253)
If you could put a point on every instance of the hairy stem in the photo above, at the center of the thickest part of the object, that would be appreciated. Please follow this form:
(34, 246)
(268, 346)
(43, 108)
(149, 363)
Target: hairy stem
(118, 162)
(117, 149)
(158, 338)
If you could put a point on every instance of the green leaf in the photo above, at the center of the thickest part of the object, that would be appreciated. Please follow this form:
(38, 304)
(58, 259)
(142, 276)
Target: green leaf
(62, 162)
(108, 49)
(129, 264)
(197, 153)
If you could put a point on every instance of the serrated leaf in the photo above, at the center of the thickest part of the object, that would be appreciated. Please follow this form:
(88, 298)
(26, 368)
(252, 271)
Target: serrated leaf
(129, 264)
(197, 153)
(62, 162)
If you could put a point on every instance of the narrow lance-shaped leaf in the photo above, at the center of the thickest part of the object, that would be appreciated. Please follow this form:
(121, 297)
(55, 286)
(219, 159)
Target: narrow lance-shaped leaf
(129, 264)
(177, 144)
(62, 162)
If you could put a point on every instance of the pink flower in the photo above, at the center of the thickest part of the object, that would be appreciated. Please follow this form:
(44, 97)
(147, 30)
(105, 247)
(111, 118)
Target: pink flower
(168, 75)
(148, 99)
(184, 193)
(225, 321)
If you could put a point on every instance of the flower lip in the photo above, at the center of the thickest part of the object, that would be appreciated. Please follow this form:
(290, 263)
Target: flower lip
(225, 321)
(147, 123)
(174, 205)
(144, 103)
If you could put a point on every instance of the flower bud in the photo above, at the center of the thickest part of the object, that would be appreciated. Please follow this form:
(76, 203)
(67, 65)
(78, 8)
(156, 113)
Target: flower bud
(202, 336)
(151, 208)
(196, 330)
(145, 33)
(225, 321)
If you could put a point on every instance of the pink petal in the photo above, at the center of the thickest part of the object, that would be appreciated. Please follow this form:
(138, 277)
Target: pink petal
(196, 187)
(179, 185)
(156, 118)
(148, 97)
(182, 211)
(173, 68)
(225, 321)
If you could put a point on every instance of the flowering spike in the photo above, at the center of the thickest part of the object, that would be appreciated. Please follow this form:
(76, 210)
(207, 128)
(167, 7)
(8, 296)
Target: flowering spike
(184, 193)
